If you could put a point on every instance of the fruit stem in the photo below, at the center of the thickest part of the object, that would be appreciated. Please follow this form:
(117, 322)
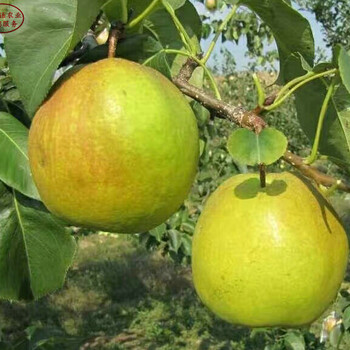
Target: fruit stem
(117, 29)
(262, 171)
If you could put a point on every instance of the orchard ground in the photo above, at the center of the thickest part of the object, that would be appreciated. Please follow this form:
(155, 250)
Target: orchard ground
(118, 295)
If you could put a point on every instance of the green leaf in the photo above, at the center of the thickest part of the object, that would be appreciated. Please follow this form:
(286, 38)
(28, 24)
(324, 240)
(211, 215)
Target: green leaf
(187, 226)
(138, 6)
(335, 54)
(12, 95)
(35, 51)
(3, 62)
(201, 147)
(158, 232)
(35, 250)
(161, 26)
(201, 113)
(175, 4)
(344, 67)
(276, 346)
(175, 240)
(37, 337)
(14, 163)
(335, 336)
(249, 148)
(291, 30)
(335, 136)
(258, 331)
(294, 341)
(116, 10)
(16, 109)
(186, 242)
(346, 318)
(159, 62)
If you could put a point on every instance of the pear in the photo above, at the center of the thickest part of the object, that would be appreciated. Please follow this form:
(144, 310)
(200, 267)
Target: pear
(266, 257)
(114, 148)
(210, 4)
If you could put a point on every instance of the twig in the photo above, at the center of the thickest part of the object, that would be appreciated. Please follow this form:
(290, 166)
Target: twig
(207, 72)
(247, 119)
(313, 156)
(313, 173)
(190, 46)
(219, 32)
(237, 115)
(283, 96)
(260, 91)
(143, 15)
(117, 29)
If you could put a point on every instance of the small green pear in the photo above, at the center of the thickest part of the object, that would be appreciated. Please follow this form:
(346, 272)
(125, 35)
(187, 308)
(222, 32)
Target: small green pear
(210, 4)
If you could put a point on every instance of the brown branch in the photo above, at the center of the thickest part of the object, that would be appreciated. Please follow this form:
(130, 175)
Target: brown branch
(313, 173)
(236, 115)
(247, 119)
(117, 29)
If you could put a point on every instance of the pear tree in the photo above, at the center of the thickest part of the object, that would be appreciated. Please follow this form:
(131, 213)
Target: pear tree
(100, 103)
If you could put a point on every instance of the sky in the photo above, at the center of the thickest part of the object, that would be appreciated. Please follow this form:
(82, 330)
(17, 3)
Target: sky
(239, 50)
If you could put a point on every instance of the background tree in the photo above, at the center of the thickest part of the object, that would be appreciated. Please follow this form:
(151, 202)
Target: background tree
(334, 17)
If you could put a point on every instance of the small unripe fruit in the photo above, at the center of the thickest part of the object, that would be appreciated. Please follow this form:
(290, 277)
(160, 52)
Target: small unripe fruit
(210, 4)
(102, 37)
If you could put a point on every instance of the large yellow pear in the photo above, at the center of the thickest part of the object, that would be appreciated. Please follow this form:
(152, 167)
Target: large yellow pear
(268, 257)
(115, 148)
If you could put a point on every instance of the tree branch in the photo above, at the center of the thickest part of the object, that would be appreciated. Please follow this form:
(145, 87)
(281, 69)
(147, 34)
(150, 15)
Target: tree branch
(247, 119)
(236, 115)
(117, 30)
